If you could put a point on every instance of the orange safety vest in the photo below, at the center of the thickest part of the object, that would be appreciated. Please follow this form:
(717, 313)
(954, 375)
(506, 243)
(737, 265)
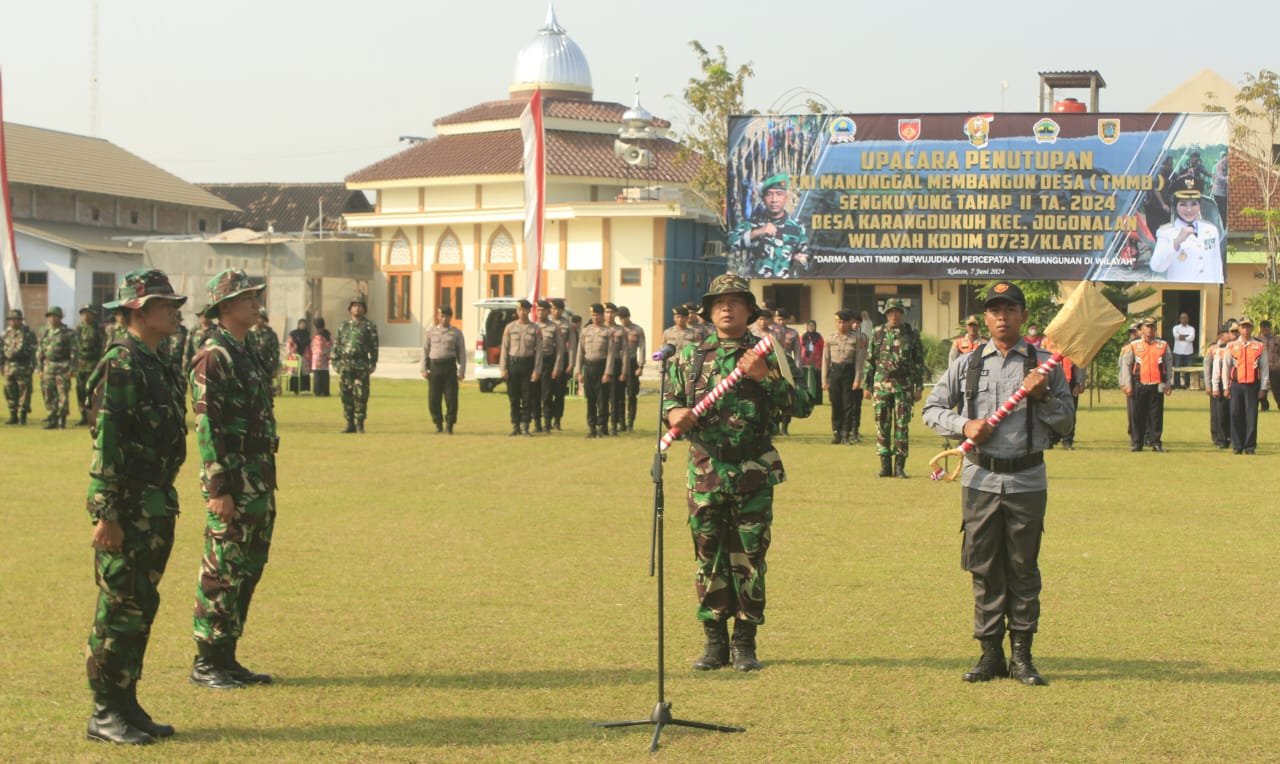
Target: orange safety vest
(1066, 368)
(965, 345)
(1148, 358)
(1246, 356)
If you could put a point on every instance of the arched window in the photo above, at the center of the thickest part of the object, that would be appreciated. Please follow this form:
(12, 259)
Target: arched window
(449, 250)
(502, 248)
(401, 251)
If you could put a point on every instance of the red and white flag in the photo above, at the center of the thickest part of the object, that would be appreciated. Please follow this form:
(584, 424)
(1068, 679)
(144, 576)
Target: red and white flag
(535, 189)
(8, 249)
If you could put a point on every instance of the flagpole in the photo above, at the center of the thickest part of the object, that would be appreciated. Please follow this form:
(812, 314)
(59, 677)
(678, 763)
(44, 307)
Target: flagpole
(535, 188)
(8, 246)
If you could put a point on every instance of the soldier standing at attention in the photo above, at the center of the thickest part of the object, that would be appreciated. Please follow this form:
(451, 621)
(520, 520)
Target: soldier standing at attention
(444, 365)
(117, 331)
(616, 387)
(634, 367)
(595, 370)
(355, 354)
(521, 346)
(90, 343)
(236, 433)
(733, 468)
(843, 355)
(139, 444)
(680, 333)
(57, 361)
(895, 368)
(264, 342)
(18, 365)
(569, 338)
(550, 359)
(195, 341)
(1147, 378)
(1215, 386)
(789, 341)
(1005, 488)
(1246, 382)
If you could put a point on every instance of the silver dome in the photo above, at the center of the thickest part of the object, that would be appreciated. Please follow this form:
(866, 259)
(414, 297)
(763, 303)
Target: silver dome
(552, 61)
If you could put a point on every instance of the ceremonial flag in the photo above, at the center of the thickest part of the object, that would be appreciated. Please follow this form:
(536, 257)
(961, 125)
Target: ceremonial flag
(535, 189)
(8, 250)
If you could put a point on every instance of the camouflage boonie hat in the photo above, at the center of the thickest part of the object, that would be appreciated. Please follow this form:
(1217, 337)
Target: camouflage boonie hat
(230, 283)
(728, 283)
(13, 315)
(88, 308)
(54, 311)
(893, 303)
(138, 286)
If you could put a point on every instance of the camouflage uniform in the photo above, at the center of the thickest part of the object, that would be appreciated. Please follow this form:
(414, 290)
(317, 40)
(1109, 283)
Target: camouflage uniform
(91, 342)
(115, 333)
(264, 343)
(174, 354)
(768, 256)
(895, 368)
(19, 363)
(57, 361)
(236, 434)
(355, 353)
(195, 341)
(139, 444)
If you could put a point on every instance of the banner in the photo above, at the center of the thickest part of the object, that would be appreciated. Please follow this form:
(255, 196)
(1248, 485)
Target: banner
(1109, 197)
(8, 248)
(535, 189)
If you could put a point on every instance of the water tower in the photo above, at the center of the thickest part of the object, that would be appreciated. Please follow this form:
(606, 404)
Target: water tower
(1051, 82)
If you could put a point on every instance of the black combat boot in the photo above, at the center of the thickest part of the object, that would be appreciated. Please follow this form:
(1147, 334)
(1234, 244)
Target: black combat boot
(51, 423)
(537, 427)
(837, 437)
(886, 465)
(448, 428)
(108, 723)
(786, 428)
(744, 646)
(900, 467)
(13, 417)
(1020, 665)
(854, 438)
(439, 427)
(991, 664)
(592, 432)
(22, 418)
(360, 426)
(138, 717)
(557, 424)
(210, 669)
(515, 430)
(351, 426)
(238, 672)
(62, 421)
(717, 648)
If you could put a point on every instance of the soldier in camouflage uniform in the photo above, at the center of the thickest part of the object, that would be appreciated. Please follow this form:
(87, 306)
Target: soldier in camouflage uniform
(139, 444)
(355, 355)
(175, 351)
(195, 341)
(266, 344)
(895, 369)
(771, 243)
(57, 361)
(91, 341)
(18, 364)
(117, 331)
(733, 467)
(236, 434)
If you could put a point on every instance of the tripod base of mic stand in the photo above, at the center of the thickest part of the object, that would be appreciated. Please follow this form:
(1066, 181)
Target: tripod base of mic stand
(661, 717)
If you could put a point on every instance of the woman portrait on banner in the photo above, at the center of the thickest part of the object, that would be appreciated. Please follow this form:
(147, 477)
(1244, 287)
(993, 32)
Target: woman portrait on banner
(1188, 246)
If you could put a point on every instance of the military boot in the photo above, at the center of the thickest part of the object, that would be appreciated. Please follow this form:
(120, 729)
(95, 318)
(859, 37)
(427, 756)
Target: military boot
(51, 423)
(238, 672)
(13, 418)
(84, 419)
(837, 437)
(524, 428)
(448, 428)
(210, 669)
(900, 467)
(22, 418)
(854, 438)
(439, 427)
(515, 430)
(744, 647)
(991, 664)
(351, 426)
(717, 648)
(557, 424)
(786, 428)
(1020, 665)
(62, 421)
(360, 426)
(592, 432)
(537, 427)
(886, 465)
(138, 717)
(108, 723)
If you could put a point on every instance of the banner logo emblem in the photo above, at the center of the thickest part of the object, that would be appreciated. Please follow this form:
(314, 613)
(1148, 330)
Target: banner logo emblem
(1046, 131)
(843, 130)
(978, 129)
(1109, 130)
(908, 129)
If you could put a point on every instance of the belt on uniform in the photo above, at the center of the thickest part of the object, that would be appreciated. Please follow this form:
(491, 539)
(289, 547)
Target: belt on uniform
(592, 362)
(841, 366)
(251, 444)
(737, 454)
(992, 464)
(442, 361)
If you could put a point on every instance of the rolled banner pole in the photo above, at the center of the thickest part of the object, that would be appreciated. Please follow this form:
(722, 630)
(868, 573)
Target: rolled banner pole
(937, 463)
(763, 347)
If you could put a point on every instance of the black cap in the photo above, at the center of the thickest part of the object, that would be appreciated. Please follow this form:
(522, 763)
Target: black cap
(88, 309)
(556, 302)
(1004, 291)
(764, 313)
(680, 310)
(610, 306)
(781, 313)
(544, 304)
(1187, 187)
(597, 307)
(445, 310)
(845, 315)
(524, 303)
(624, 312)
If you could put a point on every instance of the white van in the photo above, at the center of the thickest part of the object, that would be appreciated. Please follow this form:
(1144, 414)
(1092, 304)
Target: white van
(493, 315)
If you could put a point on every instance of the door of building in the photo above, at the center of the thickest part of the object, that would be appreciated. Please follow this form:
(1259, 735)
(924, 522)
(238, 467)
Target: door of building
(34, 286)
(449, 292)
(1176, 302)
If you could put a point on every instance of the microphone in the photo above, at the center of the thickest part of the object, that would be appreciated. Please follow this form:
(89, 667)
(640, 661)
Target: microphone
(666, 352)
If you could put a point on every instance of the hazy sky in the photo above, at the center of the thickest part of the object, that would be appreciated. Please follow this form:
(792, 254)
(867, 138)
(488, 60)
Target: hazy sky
(283, 90)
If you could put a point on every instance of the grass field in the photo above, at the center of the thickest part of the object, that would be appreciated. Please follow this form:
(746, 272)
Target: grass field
(485, 598)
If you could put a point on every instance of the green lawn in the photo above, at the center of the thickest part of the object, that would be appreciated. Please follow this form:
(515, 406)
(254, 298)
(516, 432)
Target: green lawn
(485, 598)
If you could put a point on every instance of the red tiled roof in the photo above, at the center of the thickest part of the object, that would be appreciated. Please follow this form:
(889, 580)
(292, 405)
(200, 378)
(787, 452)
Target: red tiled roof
(585, 111)
(1244, 191)
(501, 153)
(288, 207)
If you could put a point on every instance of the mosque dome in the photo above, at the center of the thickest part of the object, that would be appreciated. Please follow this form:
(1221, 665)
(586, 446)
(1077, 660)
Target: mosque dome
(552, 61)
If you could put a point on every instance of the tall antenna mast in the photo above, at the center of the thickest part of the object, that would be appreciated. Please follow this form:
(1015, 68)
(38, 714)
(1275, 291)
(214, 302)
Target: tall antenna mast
(93, 68)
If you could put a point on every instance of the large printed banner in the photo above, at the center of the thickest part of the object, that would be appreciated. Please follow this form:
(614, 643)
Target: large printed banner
(1110, 197)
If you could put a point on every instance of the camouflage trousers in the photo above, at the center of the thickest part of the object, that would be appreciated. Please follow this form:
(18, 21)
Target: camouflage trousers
(730, 538)
(82, 389)
(56, 385)
(353, 386)
(17, 392)
(893, 418)
(235, 555)
(127, 602)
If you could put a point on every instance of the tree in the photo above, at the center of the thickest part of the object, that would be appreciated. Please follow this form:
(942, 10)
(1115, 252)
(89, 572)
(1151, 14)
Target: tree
(712, 98)
(1264, 304)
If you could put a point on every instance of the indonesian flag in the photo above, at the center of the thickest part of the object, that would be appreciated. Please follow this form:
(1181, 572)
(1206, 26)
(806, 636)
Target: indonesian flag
(535, 190)
(8, 249)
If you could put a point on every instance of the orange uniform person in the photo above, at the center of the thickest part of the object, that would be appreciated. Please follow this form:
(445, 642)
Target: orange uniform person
(1147, 378)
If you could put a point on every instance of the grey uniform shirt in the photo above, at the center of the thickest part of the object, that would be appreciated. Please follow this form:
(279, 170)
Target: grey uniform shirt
(843, 349)
(569, 338)
(634, 349)
(552, 346)
(441, 344)
(1001, 378)
(678, 338)
(594, 346)
(519, 341)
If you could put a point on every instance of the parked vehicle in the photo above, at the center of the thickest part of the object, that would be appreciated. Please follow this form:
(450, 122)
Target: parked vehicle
(493, 315)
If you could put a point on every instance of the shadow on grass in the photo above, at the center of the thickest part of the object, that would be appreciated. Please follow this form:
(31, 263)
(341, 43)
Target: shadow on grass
(444, 731)
(1068, 669)
(483, 680)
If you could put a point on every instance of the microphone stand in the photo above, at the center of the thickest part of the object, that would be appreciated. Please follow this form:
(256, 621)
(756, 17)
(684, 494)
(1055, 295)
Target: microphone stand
(661, 715)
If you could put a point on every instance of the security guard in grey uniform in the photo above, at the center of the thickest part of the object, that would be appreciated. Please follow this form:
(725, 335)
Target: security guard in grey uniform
(1005, 488)
(444, 365)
